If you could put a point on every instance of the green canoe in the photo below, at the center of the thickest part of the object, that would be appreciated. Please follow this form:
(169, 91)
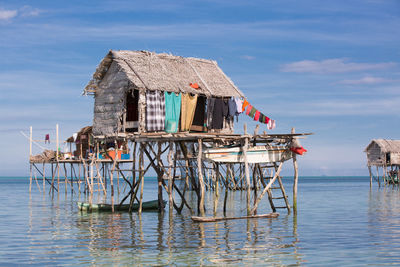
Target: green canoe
(147, 205)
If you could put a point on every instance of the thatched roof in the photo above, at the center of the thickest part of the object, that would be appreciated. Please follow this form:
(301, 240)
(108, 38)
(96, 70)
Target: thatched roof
(84, 130)
(165, 72)
(386, 145)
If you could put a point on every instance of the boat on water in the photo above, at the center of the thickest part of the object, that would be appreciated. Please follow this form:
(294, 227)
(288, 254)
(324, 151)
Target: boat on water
(147, 205)
(255, 154)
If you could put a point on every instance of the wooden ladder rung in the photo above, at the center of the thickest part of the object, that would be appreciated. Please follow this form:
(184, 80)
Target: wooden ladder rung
(281, 207)
(275, 188)
(278, 197)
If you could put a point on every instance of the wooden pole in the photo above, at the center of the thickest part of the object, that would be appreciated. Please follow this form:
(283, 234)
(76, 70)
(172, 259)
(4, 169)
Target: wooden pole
(200, 175)
(370, 176)
(141, 177)
(30, 142)
(246, 168)
(159, 178)
(57, 142)
(295, 181)
(266, 189)
(170, 178)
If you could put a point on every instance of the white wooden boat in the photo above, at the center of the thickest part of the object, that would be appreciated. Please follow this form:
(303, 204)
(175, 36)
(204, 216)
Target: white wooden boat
(255, 154)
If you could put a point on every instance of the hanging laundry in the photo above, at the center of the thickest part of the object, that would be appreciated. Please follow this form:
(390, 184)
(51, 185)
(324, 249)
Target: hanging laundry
(218, 114)
(271, 124)
(257, 115)
(232, 107)
(188, 103)
(252, 112)
(266, 120)
(172, 111)
(75, 135)
(210, 110)
(245, 104)
(155, 111)
(225, 107)
(249, 108)
(239, 103)
(262, 118)
(47, 139)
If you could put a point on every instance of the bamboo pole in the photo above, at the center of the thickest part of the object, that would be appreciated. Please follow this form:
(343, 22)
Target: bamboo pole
(296, 178)
(200, 176)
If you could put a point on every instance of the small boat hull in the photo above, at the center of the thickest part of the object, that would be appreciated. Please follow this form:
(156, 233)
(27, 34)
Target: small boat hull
(147, 205)
(256, 154)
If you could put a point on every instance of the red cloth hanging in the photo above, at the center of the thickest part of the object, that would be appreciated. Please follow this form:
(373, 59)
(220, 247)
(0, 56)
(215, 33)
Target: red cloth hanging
(298, 150)
(249, 107)
(257, 115)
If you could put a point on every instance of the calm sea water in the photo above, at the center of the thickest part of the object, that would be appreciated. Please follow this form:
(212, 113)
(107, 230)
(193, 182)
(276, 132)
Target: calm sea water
(340, 222)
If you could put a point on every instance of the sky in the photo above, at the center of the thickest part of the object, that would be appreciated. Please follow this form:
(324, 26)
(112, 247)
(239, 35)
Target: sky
(331, 68)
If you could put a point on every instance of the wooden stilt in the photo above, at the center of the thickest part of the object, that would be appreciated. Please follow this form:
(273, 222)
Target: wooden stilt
(30, 178)
(246, 169)
(141, 177)
(266, 189)
(295, 181)
(159, 178)
(170, 178)
(200, 176)
(370, 176)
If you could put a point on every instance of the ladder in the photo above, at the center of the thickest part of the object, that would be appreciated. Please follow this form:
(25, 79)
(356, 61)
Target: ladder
(278, 189)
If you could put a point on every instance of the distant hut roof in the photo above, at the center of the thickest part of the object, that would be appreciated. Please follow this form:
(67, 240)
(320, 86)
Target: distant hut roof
(386, 145)
(84, 130)
(165, 72)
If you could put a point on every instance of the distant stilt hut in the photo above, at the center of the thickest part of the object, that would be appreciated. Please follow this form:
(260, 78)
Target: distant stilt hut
(384, 155)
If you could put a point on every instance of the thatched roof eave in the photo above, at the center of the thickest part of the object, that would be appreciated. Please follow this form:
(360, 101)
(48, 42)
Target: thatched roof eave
(166, 72)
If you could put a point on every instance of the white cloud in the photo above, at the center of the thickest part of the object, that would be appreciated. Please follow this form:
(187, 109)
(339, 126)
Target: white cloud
(7, 14)
(366, 80)
(247, 57)
(28, 11)
(335, 65)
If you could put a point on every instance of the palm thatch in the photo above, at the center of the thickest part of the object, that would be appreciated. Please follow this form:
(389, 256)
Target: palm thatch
(165, 72)
(385, 145)
(383, 152)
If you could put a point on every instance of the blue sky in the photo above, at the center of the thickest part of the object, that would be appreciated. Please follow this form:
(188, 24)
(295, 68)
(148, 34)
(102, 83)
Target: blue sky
(327, 67)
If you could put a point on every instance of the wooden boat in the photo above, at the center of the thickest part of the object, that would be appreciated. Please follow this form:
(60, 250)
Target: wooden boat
(216, 219)
(147, 205)
(255, 154)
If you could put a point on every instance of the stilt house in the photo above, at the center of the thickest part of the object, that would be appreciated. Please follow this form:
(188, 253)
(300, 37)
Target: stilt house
(383, 152)
(124, 78)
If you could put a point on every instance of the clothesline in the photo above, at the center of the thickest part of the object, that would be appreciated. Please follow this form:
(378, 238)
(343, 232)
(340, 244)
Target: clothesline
(166, 110)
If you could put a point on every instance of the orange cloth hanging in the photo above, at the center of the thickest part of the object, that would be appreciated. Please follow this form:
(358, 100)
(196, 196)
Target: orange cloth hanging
(245, 104)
